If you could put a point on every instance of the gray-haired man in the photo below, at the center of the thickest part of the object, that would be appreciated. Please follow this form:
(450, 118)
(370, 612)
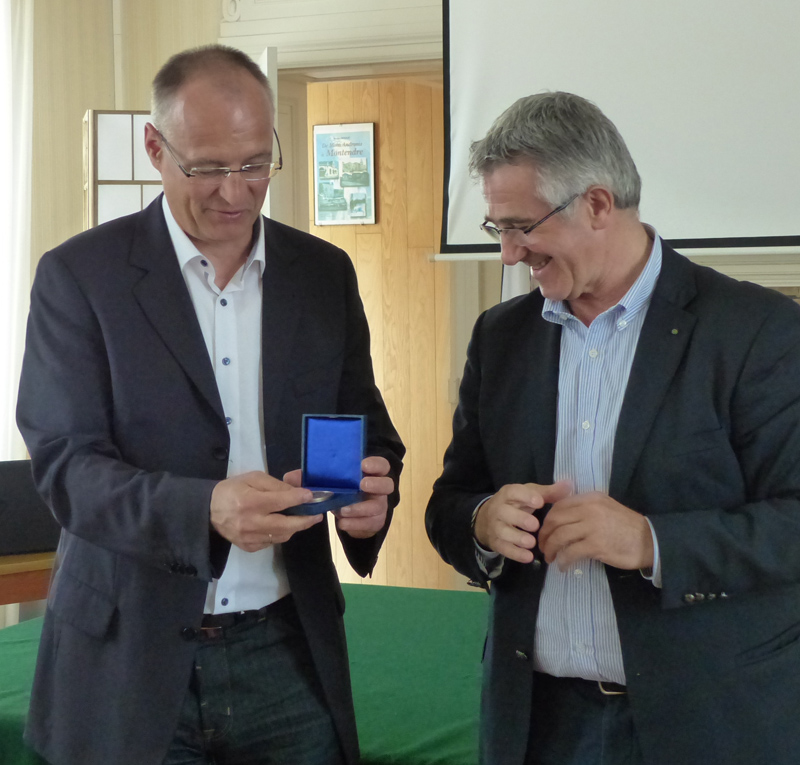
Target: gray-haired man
(625, 469)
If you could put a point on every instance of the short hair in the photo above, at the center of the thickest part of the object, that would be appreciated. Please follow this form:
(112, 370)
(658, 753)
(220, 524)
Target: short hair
(181, 67)
(571, 144)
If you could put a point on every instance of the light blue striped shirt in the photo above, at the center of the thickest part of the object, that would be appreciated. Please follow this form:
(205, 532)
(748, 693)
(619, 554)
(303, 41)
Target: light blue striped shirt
(576, 629)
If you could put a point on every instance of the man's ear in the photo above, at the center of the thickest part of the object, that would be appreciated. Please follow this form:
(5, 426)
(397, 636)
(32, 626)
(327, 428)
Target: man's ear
(601, 205)
(153, 145)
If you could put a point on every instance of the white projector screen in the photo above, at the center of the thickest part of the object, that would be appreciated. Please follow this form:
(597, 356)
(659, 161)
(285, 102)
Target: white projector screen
(706, 93)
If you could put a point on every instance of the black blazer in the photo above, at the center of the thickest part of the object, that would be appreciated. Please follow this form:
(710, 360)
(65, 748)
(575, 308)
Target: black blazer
(708, 447)
(119, 408)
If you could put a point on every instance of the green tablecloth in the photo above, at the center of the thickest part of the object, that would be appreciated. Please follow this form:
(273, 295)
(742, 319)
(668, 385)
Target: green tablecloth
(17, 659)
(415, 658)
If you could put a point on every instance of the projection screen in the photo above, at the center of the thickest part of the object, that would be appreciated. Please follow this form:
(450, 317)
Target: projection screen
(706, 94)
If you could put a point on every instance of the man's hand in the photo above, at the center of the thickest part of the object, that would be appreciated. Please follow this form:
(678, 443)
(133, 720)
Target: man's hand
(595, 526)
(366, 518)
(246, 509)
(505, 522)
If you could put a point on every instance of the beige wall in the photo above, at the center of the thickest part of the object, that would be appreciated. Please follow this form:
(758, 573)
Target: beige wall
(153, 30)
(74, 70)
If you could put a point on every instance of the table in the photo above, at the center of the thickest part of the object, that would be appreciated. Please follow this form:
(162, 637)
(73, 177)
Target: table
(24, 577)
(415, 659)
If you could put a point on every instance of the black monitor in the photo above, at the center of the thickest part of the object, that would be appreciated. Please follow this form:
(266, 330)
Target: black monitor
(26, 523)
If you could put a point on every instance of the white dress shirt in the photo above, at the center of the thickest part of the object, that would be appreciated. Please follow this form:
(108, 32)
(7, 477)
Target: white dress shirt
(576, 629)
(230, 320)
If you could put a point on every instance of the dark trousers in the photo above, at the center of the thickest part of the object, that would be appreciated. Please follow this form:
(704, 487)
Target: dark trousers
(255, 699)
(573, 723)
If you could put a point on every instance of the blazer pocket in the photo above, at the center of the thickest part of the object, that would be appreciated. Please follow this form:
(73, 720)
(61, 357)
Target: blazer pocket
(783, 642)
(697, 442)
(82, 606)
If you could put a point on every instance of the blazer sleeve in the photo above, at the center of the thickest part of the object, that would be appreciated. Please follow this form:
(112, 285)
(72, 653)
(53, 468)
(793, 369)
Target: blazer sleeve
(359, 394)
(748, 546)
(466, 477)
(66, 413)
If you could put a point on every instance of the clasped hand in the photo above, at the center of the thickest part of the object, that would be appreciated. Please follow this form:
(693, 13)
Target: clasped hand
(577, 526)
(246, 509)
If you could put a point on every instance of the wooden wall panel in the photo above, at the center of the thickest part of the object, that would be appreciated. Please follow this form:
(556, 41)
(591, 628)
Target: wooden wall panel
(317, 115)
(406, 298)
(392, 210)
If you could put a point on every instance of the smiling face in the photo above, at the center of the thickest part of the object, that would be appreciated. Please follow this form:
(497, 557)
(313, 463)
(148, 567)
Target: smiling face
(558, 252)
(223, 119)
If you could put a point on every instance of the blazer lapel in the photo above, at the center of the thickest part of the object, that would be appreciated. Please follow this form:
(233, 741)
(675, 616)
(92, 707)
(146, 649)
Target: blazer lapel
(280, 313)
(534, 395)
(164, 298)
(662, 344)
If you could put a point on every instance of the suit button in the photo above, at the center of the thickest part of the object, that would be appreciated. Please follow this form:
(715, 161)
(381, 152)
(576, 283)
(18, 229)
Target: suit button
(189, 634)
(537, 564)
(711, 596)
(723, 594)
(688, 597)
(191, 571)
(521, 655)
(220, 453)
(699, 597)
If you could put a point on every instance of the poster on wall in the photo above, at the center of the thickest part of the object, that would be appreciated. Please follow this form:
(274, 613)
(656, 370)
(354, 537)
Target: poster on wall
(344, 174)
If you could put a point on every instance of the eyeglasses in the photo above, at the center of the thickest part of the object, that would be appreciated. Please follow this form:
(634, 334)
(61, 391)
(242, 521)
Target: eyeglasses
(215, 175)
(495, 232)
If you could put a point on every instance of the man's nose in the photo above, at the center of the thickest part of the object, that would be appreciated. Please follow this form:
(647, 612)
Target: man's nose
(512, 250)
(234, 188)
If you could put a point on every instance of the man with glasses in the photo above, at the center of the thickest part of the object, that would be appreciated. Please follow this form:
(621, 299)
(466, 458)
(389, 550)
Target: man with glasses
(170, 357)
(624, 474)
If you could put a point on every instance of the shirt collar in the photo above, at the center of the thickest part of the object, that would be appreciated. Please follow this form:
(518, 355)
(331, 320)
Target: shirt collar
(187, 252)
(636, 298)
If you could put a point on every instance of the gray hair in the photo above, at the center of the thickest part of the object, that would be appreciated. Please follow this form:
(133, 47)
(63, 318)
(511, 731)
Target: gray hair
(183, 66)
(570, 143)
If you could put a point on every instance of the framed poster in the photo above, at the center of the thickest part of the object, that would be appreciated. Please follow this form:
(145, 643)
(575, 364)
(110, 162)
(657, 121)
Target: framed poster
(344, 174)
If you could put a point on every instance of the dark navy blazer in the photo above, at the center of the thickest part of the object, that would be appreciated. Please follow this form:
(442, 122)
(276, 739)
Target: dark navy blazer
(708, 447)
(120, 411)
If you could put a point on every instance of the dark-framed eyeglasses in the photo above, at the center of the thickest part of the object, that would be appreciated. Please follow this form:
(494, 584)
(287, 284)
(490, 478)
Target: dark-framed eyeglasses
(259, 171)
(496, 232)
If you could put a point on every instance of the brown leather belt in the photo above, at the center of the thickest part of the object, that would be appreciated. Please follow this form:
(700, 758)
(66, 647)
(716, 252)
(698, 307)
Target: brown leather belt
(214, 625)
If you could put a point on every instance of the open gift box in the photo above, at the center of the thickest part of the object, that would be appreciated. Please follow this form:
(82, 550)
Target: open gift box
(332, 451)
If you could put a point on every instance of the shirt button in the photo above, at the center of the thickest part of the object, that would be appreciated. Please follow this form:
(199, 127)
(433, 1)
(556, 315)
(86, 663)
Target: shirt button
(586, 424)
(204, 263)
(622, 324)
(223, 302)
(593, 353)
(226, 361)
(578, 573)
(224, 601)
(228, 420)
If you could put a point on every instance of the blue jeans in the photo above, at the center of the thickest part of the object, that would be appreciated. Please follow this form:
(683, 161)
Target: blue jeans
(255, 699)
(573, 723)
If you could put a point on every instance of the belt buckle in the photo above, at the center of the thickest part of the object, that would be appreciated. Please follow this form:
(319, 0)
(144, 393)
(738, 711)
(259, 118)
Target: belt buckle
(601, 684)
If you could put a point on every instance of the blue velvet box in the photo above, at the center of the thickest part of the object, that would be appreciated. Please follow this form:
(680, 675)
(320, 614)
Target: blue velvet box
(333, 449)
